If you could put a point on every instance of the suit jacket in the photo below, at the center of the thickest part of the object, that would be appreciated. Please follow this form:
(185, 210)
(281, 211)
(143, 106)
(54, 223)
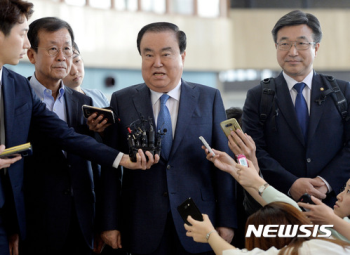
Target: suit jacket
(283, 155)
(24, 111)
(146, 195)
(54, 191)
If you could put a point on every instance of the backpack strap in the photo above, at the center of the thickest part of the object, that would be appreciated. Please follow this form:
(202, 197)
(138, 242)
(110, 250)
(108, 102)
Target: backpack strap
(267, 104)
(336, 94)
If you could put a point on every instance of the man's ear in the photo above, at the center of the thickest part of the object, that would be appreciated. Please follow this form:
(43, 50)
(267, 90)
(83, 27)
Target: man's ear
(31, 55)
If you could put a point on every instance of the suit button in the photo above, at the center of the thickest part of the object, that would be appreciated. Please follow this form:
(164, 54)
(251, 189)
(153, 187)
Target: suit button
(168, 167)
(165, 194)
(308, 160)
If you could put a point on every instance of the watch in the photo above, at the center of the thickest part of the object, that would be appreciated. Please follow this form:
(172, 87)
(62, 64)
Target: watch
(262, 188)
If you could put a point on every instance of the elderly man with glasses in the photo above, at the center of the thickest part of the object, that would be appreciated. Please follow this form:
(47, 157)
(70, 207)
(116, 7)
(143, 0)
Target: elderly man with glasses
(58, 186)
(304, 143)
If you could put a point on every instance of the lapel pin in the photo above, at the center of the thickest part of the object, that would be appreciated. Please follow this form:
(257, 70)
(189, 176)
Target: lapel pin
(322, 89)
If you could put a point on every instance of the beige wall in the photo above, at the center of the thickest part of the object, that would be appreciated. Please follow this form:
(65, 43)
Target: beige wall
(107, 38)
(254, 46)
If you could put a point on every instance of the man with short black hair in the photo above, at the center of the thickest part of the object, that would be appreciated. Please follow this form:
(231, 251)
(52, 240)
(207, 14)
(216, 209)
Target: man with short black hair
(304, 144)
(21, 111)
(149, 222)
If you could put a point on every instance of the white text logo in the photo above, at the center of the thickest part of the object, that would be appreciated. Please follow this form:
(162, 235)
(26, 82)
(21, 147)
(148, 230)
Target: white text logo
(289, 231)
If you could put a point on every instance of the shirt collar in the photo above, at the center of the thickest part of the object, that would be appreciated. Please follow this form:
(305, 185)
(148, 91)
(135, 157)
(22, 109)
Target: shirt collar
(174, 93)
(42, 91)
(291, 82)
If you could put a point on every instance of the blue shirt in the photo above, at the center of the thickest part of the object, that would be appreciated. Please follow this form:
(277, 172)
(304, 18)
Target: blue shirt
(98, 98)
(57, 106)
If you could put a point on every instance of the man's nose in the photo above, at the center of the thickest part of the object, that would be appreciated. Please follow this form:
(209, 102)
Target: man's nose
(157, 61)
(293, 50)
(60, 55)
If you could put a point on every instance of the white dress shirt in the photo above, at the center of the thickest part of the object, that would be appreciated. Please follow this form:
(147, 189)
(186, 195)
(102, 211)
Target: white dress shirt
(172, 103)
(307, 95)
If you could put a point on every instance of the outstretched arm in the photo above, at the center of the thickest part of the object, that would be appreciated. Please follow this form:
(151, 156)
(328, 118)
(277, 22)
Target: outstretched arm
(199, 231)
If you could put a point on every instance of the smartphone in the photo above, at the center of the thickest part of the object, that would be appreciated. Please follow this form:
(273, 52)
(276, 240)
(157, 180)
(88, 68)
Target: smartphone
(306, 198)
(188, 207)
(23, 149)
(206, 145)
(242, 160)
(230, 125)
(107, 113)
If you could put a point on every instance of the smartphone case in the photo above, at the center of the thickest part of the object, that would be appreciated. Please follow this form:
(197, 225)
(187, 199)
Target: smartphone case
(306, 198)
(23, 149)
(107, 113)
(188, 207)
(229, 125)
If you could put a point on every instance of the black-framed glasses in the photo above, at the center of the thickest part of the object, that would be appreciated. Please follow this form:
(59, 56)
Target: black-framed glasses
(53, 51)
(299, 45)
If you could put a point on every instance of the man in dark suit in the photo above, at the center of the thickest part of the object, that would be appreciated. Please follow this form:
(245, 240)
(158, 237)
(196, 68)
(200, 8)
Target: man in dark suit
(146, 214)
(60, 197)
(300, 150)
(23, 111)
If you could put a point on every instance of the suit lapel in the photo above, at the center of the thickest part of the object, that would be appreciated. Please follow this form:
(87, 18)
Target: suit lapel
(286, 107)
(142, 103)
(8, 90)
(71, 107)
(188, 101)
(316, 110)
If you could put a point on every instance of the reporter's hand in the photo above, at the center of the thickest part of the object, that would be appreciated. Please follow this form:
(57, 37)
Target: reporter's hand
(241, 143)
(319, 213)
(97, 123)
(306, 185)
(112, 238)
(7, 162)
(199, 229)
(141, 161)
(222, 160)
(248, 176)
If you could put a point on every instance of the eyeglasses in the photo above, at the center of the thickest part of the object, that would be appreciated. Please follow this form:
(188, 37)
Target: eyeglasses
(299, 45)
(53, 51)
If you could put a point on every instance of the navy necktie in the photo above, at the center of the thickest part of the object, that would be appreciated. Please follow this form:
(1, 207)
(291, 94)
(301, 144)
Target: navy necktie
(164, 122)
(301, 109)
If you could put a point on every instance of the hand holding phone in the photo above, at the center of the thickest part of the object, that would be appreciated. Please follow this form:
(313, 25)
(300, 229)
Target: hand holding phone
(108, 114)
(23, 150)
(242, 160)
(306, 198)
(229, 125)
(188, 207)
(206, 145)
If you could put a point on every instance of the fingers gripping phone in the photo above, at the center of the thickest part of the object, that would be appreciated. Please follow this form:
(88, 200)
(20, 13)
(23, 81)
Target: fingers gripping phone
(188, 207)
(229, 125)
(107, 113)
(242, 160)
(206, 145)
(23, 150)
(306, 198)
